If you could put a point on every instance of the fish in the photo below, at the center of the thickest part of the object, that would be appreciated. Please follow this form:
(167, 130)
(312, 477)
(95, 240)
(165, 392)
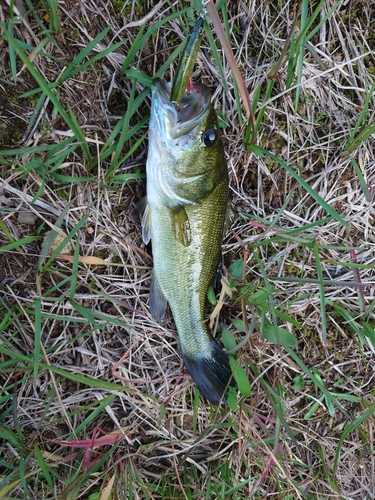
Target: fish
(184, 216)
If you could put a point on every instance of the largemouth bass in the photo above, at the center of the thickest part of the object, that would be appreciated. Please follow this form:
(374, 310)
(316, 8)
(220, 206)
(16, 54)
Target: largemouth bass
(184, 217)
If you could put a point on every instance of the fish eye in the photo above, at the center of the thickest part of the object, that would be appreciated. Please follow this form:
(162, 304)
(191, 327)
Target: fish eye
(209, 137)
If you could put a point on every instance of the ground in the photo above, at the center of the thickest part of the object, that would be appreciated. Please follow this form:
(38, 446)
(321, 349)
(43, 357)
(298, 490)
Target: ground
(95, 401)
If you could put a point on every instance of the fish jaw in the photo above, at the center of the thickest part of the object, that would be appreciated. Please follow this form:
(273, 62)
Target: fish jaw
(179, 125)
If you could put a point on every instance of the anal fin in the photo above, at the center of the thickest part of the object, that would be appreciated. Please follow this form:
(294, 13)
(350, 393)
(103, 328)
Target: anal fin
(157, 301)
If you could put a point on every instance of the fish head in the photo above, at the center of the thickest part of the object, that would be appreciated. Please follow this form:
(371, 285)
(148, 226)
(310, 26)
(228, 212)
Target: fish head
(187, 141)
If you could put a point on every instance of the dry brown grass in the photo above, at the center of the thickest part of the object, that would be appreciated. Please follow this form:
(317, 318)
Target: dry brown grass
(104, 362)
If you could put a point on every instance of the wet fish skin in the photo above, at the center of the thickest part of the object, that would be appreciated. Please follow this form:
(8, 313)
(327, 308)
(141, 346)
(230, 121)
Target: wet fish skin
(187, 193)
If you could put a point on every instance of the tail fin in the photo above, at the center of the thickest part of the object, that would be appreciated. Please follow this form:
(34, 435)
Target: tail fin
(210, 371)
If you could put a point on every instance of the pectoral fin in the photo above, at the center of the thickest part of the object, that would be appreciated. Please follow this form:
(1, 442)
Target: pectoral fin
(142, 209)
(180, 225)
(157, 300)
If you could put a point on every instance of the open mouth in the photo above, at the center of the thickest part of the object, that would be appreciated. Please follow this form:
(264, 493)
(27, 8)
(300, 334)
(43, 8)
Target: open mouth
(192, 109)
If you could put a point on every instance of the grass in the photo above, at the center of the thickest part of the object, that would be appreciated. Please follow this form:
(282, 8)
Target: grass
(94, 400)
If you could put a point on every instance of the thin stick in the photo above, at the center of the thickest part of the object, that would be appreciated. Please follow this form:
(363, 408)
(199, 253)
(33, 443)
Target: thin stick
(236, 73)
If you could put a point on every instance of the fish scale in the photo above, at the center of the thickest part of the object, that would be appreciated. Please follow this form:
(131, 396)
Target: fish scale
(187, 191)
(185, 273)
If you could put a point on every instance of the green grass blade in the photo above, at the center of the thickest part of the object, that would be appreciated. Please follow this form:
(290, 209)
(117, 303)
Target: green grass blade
(18, 243)
(90, 382)
(350, 428)
(361, 179)
(263, 152)
(43, 466)
(75, 266)
(363, 116)
(319, 271)
(356, 140)
(62, 245)
(300, 63)
(12, 57)
(317, 380)
(92, 416)
(53, 16)
(51, 95)
(37, 337)
(74, 67)
(276, 402)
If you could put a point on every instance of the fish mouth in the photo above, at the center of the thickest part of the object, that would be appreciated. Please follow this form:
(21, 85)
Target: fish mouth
(174, 121)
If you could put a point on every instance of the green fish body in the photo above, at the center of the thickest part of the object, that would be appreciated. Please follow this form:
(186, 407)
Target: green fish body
(187, 192)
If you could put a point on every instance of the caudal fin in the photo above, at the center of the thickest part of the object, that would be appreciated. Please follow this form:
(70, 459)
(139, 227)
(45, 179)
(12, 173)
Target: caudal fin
(210, 371)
